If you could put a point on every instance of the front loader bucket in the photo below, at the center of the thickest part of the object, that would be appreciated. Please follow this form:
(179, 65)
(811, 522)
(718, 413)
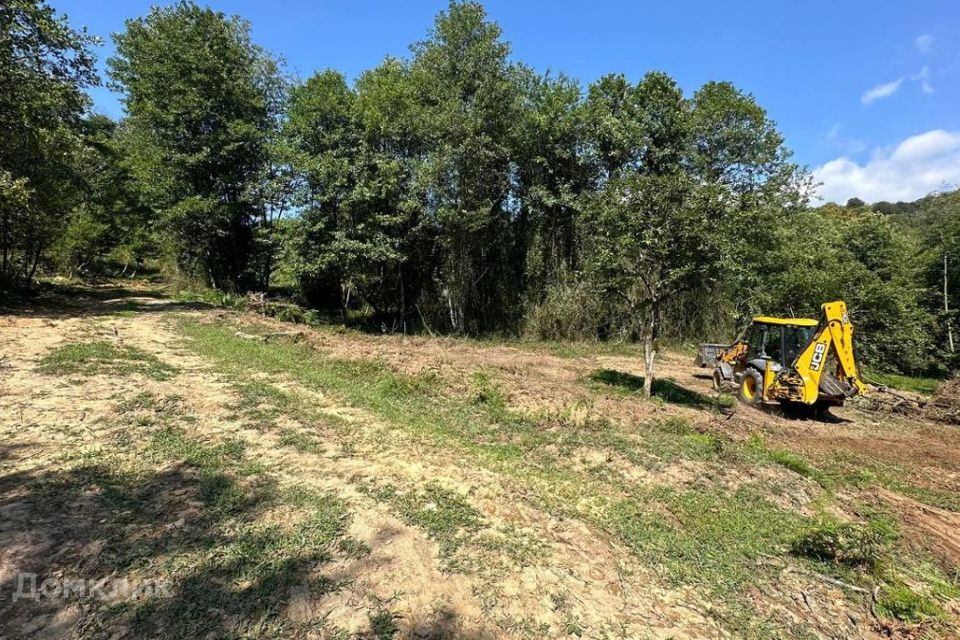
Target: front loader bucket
(708, 353)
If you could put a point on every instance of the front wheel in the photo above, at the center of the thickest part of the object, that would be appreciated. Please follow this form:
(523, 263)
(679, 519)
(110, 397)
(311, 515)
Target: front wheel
(751, 388)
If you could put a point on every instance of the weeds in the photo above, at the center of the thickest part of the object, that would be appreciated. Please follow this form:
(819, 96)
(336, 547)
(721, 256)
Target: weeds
(383, 625)
(900, 602)
(484, 391)
(853, 545)
(92, 358)
(702, 538)
(443, 514)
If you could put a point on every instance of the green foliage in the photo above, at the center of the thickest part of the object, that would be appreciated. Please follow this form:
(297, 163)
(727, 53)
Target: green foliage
(937, 218)
(859, 257)
(846, 543)
(92, 358)
(109, 231)
(568, 311)
(900, 602)
(383, 625)
(348, 240)
(794, 462)
(454, 190)
(705, 539)
(484, 391)
(202, 102)
(44, 68)
(924, 386)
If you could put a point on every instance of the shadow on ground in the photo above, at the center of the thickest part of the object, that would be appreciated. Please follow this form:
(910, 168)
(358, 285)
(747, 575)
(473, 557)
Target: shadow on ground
(94, 523)
(663, 388)
(63, 301)
(210, 558)
(181, 529)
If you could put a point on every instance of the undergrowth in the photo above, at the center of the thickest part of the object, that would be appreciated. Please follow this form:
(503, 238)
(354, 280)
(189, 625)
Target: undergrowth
(101, 357)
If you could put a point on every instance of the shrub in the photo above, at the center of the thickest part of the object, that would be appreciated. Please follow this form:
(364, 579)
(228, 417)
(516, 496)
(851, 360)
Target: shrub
(846, 543)
(904, 604)
(569, 311)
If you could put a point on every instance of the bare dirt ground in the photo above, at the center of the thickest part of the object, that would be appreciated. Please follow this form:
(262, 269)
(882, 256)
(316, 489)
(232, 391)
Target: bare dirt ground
(186, 468)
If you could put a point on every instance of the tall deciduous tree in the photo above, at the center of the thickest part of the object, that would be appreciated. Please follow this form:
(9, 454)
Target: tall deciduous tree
(470, 100)
(109, 228)
(552, 177)
(323, 136)
(201, 101)
(678, 180)
(44, 67)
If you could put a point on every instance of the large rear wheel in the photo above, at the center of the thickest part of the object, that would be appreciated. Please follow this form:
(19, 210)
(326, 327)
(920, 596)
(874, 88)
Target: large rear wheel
(751, 388)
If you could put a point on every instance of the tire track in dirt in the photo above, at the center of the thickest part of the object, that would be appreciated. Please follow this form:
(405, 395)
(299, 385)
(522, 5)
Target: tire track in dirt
(403, 560)
(613, 596)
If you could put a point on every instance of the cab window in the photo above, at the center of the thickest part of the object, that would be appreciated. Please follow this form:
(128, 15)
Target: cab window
(764, 342)
(772, 345)
(794, 340)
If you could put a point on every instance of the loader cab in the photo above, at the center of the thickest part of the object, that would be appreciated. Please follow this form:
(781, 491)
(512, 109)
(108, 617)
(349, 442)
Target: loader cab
(778, 339)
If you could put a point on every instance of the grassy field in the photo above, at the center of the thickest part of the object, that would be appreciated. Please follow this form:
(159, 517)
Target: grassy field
(306, 482)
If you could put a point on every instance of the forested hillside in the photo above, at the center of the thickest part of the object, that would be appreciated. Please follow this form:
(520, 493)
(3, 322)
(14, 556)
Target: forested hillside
(454, 190)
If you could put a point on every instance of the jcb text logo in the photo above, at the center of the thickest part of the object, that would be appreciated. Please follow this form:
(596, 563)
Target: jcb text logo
(819, 353)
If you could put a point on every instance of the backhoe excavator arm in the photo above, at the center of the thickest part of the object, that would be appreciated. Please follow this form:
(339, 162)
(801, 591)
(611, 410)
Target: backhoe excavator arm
(834, 336)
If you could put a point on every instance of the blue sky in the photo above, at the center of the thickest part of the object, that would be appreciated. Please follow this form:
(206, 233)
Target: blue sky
(866, 93)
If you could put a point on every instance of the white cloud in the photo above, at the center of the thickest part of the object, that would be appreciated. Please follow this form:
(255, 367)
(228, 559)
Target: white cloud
(887, 89)
(881, 91)
(906, 171)
(924, 43)
(923, 77)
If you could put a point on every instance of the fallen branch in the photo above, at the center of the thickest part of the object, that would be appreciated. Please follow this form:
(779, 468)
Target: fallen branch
(839, 583)
(249, 336)
(296, 336)
(265, 337)
(424, 321)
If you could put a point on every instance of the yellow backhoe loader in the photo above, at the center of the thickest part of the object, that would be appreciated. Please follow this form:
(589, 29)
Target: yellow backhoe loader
(791, 361)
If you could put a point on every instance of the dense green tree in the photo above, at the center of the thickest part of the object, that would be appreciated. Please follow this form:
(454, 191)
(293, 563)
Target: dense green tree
(737, 146)
(387, 196)
(645, 228)
(864, 259)
(937, 217)
(612, 125)
(552, 176)
(323, 138)
(356, 152)
(674, 217)
(201, 101)
(470, 105)
(44, 67)
(109, 230)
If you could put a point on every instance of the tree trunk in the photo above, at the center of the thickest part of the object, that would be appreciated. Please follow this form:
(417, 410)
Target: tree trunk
(33, 267)
(648, 356)
(4, 242)
(344, 301)
(403, 299)
(946, 304)
(649, 353)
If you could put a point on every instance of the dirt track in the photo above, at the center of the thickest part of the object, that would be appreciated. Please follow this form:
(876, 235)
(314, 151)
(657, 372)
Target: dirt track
(527, 572)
